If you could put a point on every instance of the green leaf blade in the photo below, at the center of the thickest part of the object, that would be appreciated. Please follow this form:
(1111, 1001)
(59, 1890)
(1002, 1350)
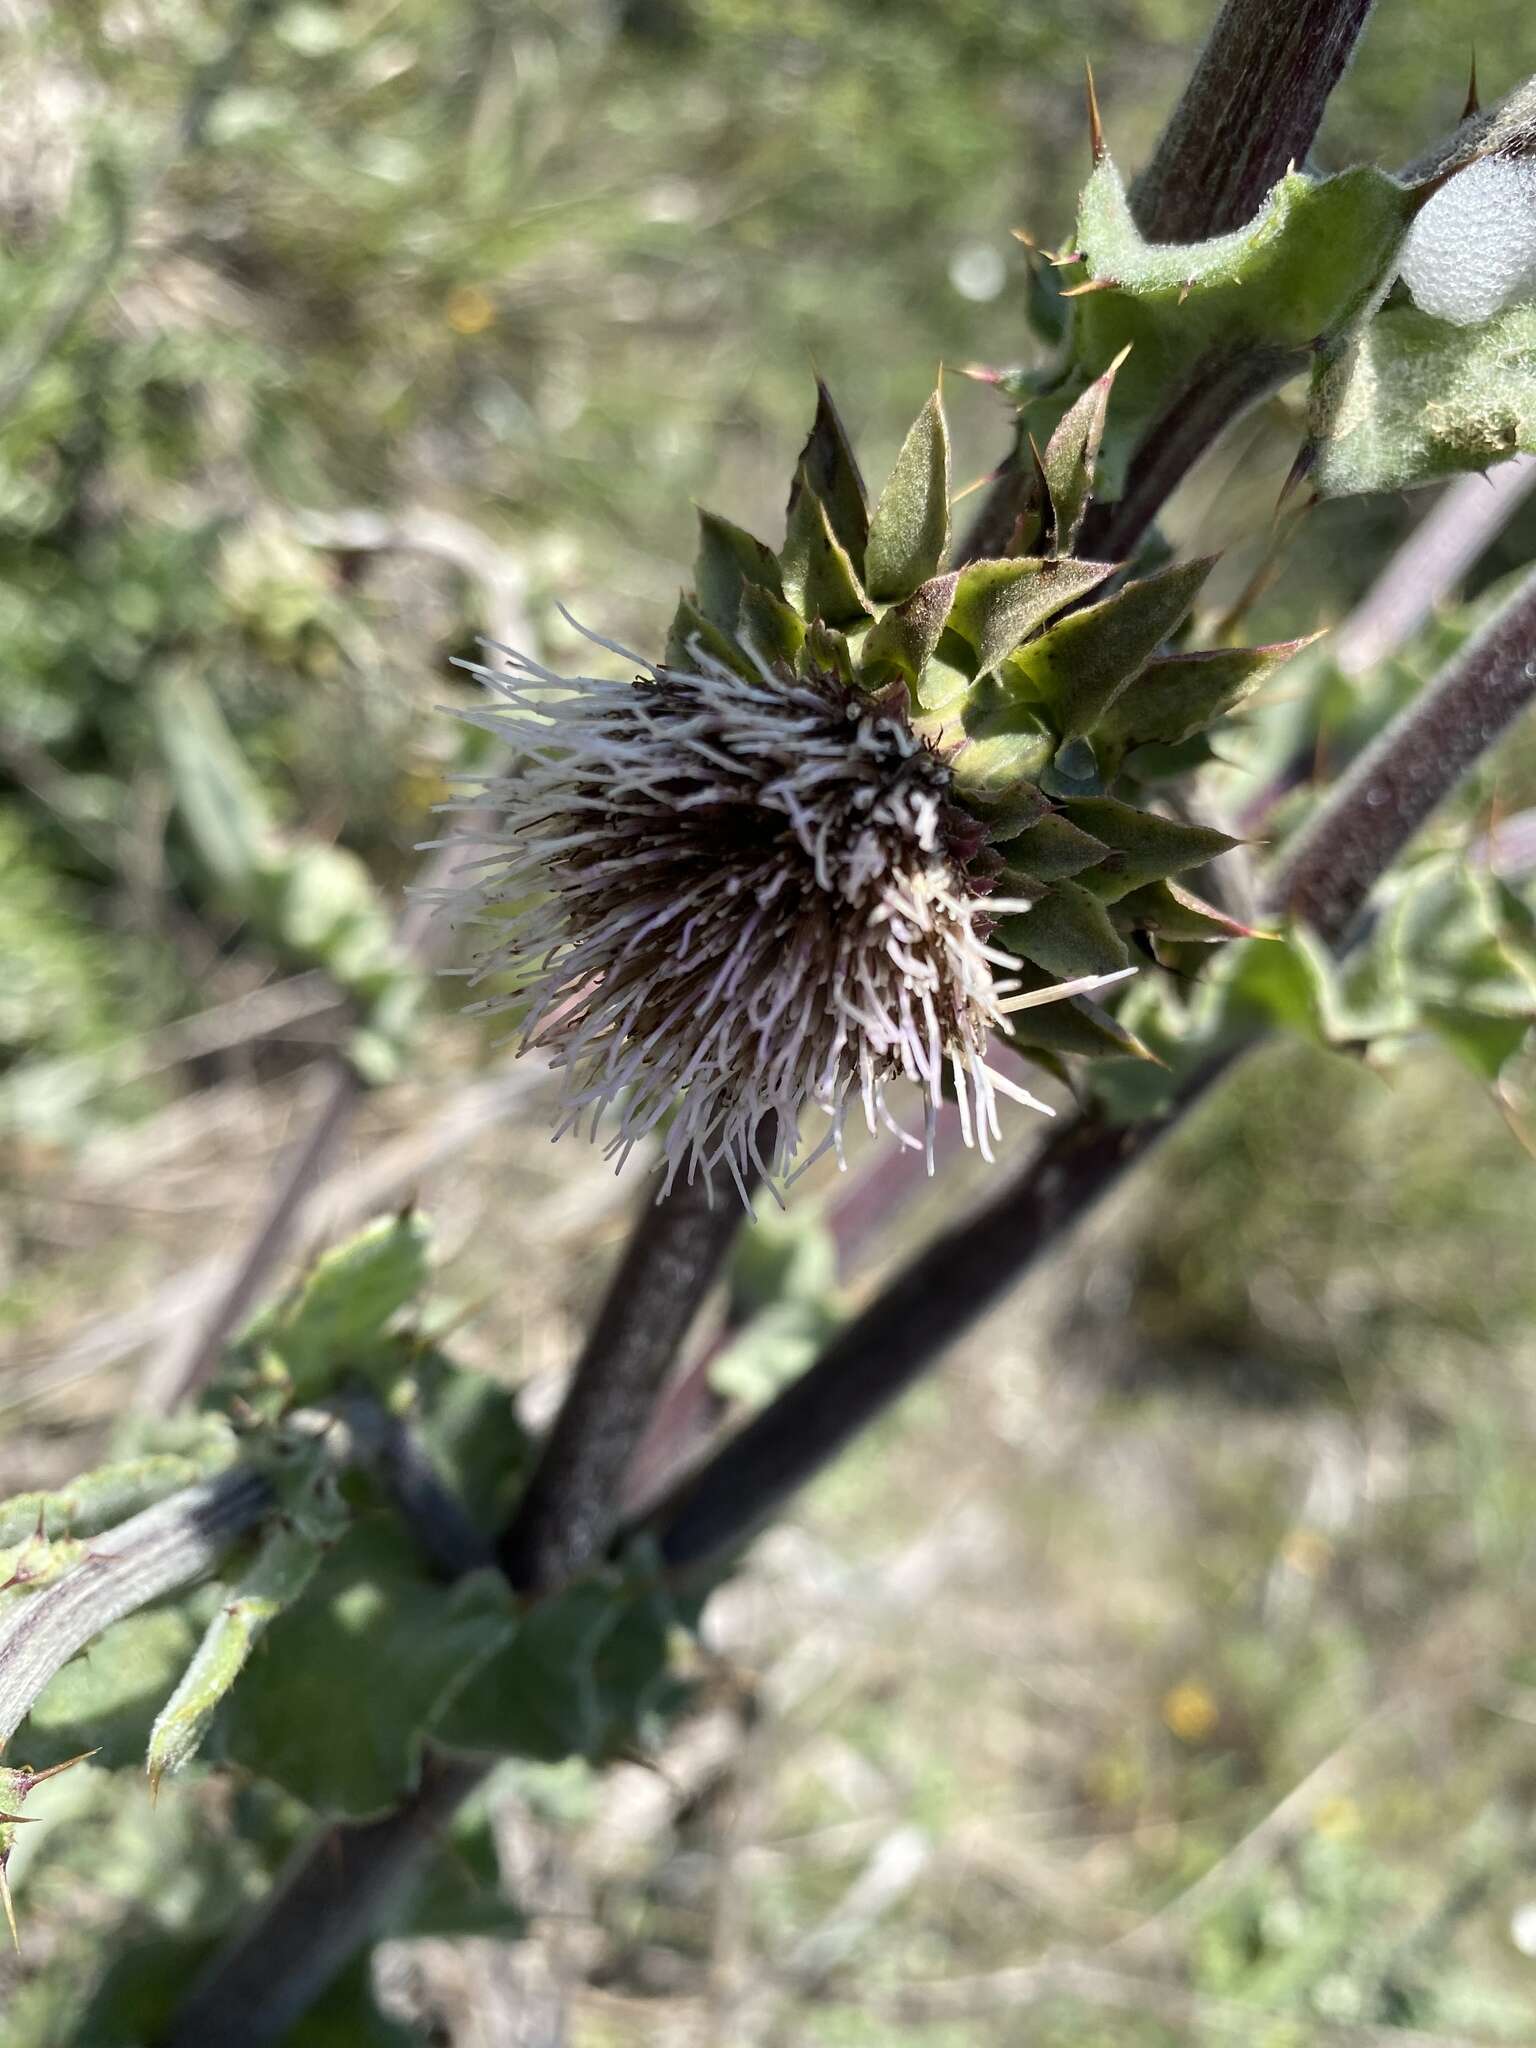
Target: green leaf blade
(909, 530)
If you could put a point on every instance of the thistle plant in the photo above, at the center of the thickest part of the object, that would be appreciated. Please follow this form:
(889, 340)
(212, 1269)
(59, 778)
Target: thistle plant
(888, 814)
(870, 812)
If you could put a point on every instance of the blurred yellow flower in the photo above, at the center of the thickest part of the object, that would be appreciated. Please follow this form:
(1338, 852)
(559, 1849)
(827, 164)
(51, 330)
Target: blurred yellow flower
(469, 309)
(1189, 1711)
(1337, 1817)
(1307, 1551)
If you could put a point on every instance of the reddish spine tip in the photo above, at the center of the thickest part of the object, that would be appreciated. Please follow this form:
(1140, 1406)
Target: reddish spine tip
(1095, 125)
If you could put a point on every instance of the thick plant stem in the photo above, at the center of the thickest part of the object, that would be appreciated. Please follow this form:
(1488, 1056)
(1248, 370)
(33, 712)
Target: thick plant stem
(1254, 103)
(1370, 815)
(318, 1915)
(1452, 536)
(172, 1544)
(569, 1508)
(1253, 106)
(898, 1336)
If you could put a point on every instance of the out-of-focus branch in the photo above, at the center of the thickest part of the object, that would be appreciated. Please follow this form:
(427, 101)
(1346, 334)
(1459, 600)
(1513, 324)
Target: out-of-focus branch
(1423, 574)
(1372, 812)
(178, 1372)
(1253, 106)
(376, 1183)
(1448, 540)
(320, 1912)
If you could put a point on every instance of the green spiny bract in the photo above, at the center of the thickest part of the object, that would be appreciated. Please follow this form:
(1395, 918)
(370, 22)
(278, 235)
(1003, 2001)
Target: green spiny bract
(1413, 299)
(1039, 679)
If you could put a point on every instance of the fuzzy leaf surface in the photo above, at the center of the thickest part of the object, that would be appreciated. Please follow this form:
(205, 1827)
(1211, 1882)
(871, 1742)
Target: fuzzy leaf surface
(1177, 696)
(819, 575)
(829, 467)
(359, 1671)
(335, 1318)
(1310, 262)
(1415, 398)
(1143, 847)
(909, 530)
(1078, 667)
(997, 604)
(729, 559)
(1068, 933)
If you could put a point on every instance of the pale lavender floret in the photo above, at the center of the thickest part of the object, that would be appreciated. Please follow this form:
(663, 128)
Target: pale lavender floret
(742, 906)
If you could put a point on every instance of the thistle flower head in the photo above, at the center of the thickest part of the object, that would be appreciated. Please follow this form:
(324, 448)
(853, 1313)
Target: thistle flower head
(757, 899)
(865, 809)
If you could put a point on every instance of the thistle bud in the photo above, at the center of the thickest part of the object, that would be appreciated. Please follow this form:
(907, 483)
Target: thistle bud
(762, 899)
(816, 851)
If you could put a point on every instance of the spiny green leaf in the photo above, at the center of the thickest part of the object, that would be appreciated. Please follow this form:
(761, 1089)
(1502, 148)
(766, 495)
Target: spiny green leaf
(1179, 695)
(1068, 933)
(1072, 453)
(819, 575)
(730, 558)
(107, 1698)
(906, 636)
(1415, 398)
(994, 776)
(37, 1561)
(828, 467)
(998, 604)
(909, 531)
(769, 627)
(97, 1500)
(283, 1568)
(1054, 849)
(1078, 667)
(1311, 261)
(1075, 1025)
(690, 628)
(334, 1319)
(1315, 251)
(1047, 312)
(356, 1674)
(1170, 911)
(1143, 847)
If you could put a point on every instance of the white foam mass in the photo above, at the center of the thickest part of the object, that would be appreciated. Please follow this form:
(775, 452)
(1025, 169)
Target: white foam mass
(1472, 249)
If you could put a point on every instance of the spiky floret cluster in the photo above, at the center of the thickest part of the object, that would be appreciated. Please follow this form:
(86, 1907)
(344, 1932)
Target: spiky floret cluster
(866, 809)
(758, 903)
